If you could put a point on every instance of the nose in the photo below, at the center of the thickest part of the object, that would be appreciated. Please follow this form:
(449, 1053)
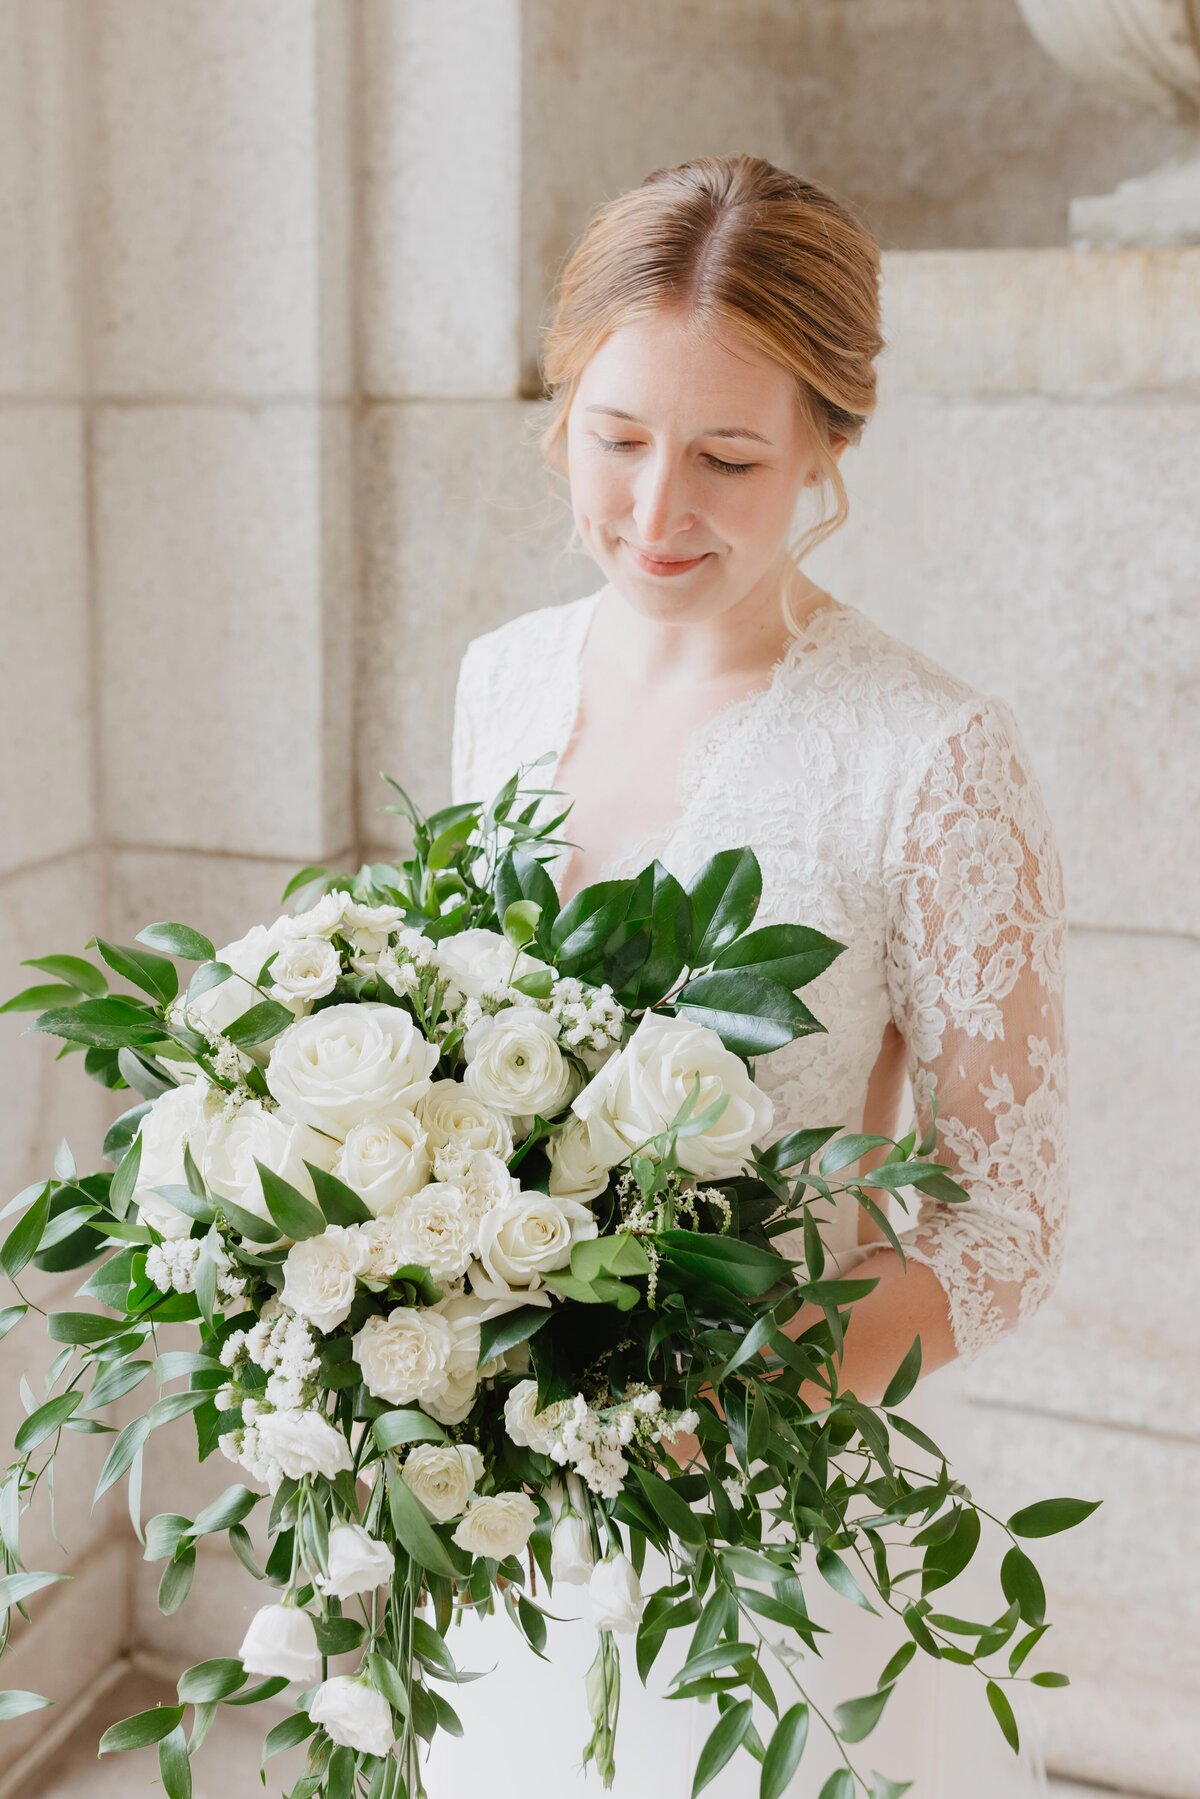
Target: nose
(662, 502)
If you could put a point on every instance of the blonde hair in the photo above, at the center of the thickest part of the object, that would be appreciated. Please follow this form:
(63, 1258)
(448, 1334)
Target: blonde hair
(730, 242)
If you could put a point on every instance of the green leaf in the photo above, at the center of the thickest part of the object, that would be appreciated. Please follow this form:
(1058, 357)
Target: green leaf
(177, 940)
(712, 1659)
(74, 970)
(417, 1534)
(784, 1751)
(234, 1504)
(833, 1569)
(340, 1203)
(154, 974)
(296, 1216)
(141, 1729)
(741, 1266)
(175, 1766)
(9, 1316)
(905, 1377)
(337, 1636)
(164, 1533)
(857, 1718)
(120, 1456)
(176, 1581)
(40, 998)
(724, 1740)
(944, 1561)
(998, 1700)
(115, 1021)
(82, 1327)
(407, 1426)
(1048, 1678)
(840, 1785)
(1021, 1581)
(267, 1019)
(621, 1254)
(674, 1510)
(287, 1735)
(16, 1588)
(499, 1334)
(752, 1015)
(46, 1420)
(211, 1680)
(15, 1703)
(22, 1241)
(1051, 1515)
(724, 894)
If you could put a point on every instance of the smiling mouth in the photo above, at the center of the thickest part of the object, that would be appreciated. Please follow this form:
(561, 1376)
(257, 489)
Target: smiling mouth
(664, 561)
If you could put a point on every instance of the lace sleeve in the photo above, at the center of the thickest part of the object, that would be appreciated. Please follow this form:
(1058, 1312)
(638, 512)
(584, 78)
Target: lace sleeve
(976, 947)
(462, 737)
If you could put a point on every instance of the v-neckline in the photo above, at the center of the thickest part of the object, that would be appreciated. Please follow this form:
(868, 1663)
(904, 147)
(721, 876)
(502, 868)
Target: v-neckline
(730, 714)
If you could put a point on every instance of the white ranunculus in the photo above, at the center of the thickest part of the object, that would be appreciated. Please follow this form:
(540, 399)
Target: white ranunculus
(615, 1592)
(358, 1563)
(254, 1133)
(219, 1006)
(452, 1115)
(582, 1155)
(178, 1116)
(349, 1063)
(436, 1229)
(496, 1524)
(404, 1356)
(480, 960)
(518, 1067)
(529, 1428)
(320, 1276)
(571, 1557)
(353, 1714)
(306, 969)
(303, 1443)
(443, 1476)
(385, 1163)
(527, 1236)
(640, 1089)
(281, 1643)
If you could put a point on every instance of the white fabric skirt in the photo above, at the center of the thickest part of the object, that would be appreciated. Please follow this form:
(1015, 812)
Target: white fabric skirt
(526, 1722)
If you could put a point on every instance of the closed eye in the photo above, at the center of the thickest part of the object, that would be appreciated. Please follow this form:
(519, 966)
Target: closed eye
(726, 468)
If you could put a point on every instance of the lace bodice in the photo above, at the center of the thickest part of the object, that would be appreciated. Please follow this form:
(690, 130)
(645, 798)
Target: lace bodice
(893, 807)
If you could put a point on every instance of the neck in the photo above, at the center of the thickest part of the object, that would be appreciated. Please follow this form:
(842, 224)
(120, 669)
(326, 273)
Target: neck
(742, 639)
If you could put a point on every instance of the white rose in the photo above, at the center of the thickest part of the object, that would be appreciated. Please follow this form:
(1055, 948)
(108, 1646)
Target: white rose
(527, 1236)
(581, 1155)
(452, 1115)
(443, 1476)
(358, 1563)
(639, 1091)
(528, 1427)
(478, 961)
(303, 1443)
(322, 920)
(616, 1596)
(404, 1356)
(571, 1557)
(348, 1063)
(518, 1067)
(251, 1134)
(385, 1163)
(178, 1116)
(281, 1643)
(496, 1525)
(353, 1714)
(320, 1276)
(437, 1229)
(305, 969)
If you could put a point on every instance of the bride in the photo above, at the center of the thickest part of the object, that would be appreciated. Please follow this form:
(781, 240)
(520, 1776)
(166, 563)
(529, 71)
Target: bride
(709, 359)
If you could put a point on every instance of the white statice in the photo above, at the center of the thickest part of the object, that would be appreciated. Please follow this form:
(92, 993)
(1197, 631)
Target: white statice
(516, 1065)
(385, 1162)
(182, 1115)
(281, 1644)
(348, 1063)
(306, 969)
(353, 1714)
(590, 1021)
(479, 961)
(358, 1563)
(527, 1236)
(640, 1089)
(496, 1524)
(451, 1115)
(320, 1276)
(443, 1476)
(735, 1488)
(282, 1345)
(257, 1133)
(404, 1357)
(526, 1425)
(304, 1443)
(615, 1593)
(582, 1156)
(436, 1229)
(592, 1440)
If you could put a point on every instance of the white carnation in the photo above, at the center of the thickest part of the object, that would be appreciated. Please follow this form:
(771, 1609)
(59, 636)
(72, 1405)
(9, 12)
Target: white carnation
(404, 1356)
(320, 1277)
(436, 1229)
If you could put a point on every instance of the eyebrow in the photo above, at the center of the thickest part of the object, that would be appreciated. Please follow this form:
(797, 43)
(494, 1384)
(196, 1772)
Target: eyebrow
(614, 412)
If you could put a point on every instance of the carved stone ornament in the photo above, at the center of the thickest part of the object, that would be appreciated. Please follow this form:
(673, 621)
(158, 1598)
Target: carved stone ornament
(1147, 50)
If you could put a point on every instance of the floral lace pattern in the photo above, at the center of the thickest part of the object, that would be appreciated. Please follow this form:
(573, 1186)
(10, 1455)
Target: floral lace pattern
(893, 807)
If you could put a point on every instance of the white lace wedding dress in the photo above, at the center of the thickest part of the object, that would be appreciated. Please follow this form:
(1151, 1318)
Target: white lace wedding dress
(894, 808)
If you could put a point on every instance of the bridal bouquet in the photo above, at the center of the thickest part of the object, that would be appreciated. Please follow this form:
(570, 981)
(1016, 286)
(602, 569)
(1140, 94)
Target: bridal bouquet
(471, 1203)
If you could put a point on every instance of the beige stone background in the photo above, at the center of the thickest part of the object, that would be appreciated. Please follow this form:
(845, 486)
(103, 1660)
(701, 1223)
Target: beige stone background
(271, 274)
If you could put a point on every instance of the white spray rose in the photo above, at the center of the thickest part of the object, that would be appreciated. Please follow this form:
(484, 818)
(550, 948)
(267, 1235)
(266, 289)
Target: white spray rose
(353, 1714)
(322, 920)
(306, 969)
(528, 1427)
(253, 1133)
(452, 1115)
(582, 1154)
(404, 1356)
(479, 960)
(496, 1524)
(320, 1276)
(178, 1116)
(281, 1643)
(527, 1236)
(369, 927)
(517, 1066)
(358, 1563)
(303, 1443)
(436, 1228)
(443, 1476)
(571, 1558)
(220, 1006)
(463, 1314)
(385, 1163)
(348, 1063)
(615, 1592)
(640, 1089)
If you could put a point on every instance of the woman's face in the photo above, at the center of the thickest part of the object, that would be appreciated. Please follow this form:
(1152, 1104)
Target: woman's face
(710, 464)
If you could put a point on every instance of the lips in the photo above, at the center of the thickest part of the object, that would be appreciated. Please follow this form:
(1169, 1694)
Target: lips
(656, 565)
